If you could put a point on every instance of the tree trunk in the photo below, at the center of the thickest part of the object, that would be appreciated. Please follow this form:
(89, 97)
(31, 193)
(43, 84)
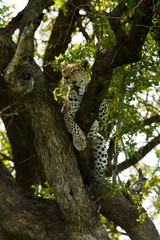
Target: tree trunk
(60, 166)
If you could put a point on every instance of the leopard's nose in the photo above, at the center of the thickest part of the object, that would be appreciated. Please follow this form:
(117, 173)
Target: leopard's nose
(66, 77)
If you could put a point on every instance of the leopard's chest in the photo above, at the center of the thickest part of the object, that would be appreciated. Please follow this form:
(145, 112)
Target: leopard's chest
(74, 104)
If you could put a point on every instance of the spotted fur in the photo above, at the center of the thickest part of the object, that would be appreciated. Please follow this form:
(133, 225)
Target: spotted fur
(75, 78)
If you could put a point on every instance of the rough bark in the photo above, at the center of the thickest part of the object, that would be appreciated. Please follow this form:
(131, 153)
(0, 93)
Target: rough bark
(24, 216)
(122, 207)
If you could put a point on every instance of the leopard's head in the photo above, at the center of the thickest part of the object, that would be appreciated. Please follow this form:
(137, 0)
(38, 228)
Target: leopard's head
(75, 74)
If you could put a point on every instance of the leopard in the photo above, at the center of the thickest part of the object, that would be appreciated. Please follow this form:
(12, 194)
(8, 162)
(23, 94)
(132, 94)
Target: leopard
(75, 78)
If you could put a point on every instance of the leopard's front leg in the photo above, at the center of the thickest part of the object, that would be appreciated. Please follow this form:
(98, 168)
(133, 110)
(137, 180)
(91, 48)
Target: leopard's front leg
(79, 138)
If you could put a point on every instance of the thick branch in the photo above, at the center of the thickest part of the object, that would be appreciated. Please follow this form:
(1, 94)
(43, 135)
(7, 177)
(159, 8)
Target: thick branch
(26, 215)
(114, 18)
(33, 9)
(21, 86)
(16, 22)
(124, 213)
(142, 152)
(152, 119)
(97, 88)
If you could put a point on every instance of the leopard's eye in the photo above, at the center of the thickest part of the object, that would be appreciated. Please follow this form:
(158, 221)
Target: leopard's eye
(64, 71)
(75, 70)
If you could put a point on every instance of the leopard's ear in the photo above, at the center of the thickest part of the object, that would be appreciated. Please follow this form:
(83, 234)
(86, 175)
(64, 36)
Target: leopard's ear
(63, 64)
(84, 64)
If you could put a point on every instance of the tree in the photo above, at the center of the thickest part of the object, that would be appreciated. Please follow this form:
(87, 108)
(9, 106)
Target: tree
(118, 38)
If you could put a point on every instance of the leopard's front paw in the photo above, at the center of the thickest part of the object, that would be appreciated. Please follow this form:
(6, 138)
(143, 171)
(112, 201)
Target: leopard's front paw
(79, 142)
